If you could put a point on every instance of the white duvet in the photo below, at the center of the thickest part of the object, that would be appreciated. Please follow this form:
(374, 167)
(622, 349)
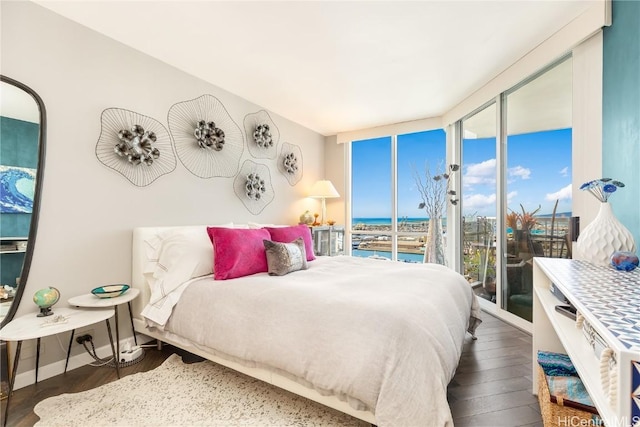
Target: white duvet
(387, 335)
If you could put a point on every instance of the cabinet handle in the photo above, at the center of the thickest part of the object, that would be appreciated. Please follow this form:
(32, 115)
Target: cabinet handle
(609, 379)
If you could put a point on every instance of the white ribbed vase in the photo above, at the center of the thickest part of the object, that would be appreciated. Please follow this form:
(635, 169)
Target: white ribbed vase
(604, 236)
(434, 245)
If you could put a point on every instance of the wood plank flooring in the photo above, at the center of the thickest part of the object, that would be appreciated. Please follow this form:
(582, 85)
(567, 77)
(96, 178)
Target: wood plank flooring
(492, 385)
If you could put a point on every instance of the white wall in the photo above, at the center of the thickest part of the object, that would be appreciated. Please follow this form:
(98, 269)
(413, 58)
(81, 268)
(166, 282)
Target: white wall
(88, 211)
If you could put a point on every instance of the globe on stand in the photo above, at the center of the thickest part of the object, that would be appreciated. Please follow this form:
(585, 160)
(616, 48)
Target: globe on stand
(45, 298)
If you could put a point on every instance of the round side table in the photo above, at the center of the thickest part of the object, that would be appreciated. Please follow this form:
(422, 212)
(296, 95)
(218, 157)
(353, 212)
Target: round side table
(92, 301)
(30, 326)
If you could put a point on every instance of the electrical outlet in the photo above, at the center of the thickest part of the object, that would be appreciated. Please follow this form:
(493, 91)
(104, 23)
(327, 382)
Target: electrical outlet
(83, 338)
(85, 331)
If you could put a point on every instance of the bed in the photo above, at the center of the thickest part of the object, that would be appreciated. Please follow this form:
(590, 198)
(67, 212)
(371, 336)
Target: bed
(378, 340)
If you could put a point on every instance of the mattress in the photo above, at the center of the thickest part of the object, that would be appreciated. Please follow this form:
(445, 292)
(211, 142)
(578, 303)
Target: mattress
(383, 336)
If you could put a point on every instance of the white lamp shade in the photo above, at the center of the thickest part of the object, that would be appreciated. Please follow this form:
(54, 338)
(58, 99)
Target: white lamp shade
(323, 189)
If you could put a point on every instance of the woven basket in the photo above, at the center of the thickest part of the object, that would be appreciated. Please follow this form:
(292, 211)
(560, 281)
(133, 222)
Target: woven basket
(558, 414)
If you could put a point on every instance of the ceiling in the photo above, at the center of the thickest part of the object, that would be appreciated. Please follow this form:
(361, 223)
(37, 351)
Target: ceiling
(334, 66)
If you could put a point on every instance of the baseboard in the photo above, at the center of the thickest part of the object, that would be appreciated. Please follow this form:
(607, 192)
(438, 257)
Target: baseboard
(28, 378)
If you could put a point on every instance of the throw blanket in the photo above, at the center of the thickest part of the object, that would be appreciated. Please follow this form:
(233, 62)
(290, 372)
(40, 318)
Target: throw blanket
(388, 335)
(556, 364)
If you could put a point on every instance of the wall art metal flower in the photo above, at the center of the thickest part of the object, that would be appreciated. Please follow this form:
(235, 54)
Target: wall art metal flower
(253, 186)
(262, 135)
(134, 145)
(207, 140)
(290, 162)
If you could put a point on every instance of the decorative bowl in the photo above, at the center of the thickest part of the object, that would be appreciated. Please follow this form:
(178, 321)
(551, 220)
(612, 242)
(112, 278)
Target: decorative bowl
(110, 291)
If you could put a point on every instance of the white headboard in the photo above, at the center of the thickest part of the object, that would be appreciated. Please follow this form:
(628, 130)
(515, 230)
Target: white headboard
(139, 261)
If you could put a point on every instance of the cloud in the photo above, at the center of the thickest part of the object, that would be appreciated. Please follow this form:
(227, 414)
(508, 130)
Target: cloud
(480, 173)
(562, 194)
(519, 171)
(510, 196)
(564, 171)
(479, 201)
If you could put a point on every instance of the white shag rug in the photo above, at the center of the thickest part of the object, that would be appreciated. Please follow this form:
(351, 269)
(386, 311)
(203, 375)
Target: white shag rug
(179, 394)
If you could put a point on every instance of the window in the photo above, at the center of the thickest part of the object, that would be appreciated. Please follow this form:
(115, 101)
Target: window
(386, 220)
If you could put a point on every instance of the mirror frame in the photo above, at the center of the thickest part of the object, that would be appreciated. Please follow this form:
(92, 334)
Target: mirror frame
(35, 213)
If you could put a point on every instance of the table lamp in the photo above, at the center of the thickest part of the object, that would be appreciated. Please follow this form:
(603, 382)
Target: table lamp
(323, 189)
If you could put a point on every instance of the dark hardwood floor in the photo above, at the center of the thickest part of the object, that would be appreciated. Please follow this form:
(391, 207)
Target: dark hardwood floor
(492, 386)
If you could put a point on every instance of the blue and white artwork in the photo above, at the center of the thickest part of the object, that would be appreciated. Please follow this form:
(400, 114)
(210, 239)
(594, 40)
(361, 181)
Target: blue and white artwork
(17, 186)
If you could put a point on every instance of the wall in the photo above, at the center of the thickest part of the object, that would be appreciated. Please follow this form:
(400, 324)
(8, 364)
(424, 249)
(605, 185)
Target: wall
(88, 211)
(621, 111)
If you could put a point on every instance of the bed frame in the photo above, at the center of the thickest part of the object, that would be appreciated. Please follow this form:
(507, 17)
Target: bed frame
(139, 260)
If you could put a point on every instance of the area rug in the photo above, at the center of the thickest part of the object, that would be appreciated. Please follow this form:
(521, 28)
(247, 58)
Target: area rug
(179, 394)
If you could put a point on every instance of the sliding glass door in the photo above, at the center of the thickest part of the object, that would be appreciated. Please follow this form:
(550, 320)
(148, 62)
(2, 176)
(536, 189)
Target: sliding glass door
(478, 203)
(516, 155)
(538, 180)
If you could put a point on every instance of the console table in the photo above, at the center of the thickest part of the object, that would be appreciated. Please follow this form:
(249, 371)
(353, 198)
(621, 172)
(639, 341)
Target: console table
(603, 342)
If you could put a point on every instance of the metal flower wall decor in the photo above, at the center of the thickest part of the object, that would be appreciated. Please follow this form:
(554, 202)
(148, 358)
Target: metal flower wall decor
(290, 163)
(263, 135)
(207, 140)
(137, 145)
(253, 186)
(134, 145)
(209, 136)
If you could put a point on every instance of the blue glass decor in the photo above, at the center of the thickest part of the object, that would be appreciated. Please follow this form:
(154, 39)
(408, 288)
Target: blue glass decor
(624, 261)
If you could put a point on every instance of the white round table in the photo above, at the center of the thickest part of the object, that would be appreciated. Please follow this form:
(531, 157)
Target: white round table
(92, 301)
(30, 326)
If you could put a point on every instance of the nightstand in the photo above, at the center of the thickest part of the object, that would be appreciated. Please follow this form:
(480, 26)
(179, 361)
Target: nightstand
(328, 240)
(30, 326)
(92, 301)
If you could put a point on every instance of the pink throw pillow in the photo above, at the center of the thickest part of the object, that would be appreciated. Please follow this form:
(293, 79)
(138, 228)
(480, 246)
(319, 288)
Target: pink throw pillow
(289, 234)
(238, 252)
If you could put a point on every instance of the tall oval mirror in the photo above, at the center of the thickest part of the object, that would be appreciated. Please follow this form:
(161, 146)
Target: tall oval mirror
(22, 145)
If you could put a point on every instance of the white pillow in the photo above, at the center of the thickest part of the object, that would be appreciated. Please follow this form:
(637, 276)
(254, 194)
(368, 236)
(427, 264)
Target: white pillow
(193, 246)
(189, 246)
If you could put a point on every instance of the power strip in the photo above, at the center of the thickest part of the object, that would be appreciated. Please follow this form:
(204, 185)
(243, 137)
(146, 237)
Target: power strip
(130, 355)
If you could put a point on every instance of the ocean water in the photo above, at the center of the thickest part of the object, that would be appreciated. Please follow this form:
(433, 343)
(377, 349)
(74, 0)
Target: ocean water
(401, 256)
(384, 221)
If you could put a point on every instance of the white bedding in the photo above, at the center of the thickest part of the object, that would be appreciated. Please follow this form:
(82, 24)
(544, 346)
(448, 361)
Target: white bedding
(387, 335)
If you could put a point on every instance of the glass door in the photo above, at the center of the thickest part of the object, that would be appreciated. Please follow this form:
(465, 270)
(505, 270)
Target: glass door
(478, 204)
(537, 191)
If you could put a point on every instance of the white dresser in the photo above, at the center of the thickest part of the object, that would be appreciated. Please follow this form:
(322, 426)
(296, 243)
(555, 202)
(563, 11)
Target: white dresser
(604, 345)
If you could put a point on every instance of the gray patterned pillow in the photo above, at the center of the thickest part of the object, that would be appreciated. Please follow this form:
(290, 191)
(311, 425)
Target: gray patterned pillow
(283, 258)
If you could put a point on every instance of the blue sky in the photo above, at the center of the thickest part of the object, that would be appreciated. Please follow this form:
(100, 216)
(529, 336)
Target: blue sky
(538, 172)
